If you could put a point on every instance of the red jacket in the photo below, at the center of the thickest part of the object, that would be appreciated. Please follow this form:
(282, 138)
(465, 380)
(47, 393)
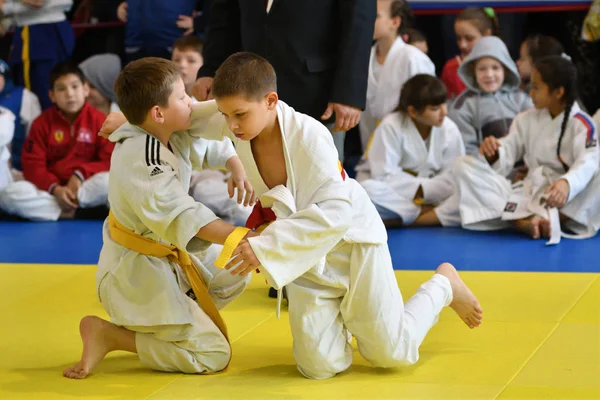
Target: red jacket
(56, 149)
(450, 77)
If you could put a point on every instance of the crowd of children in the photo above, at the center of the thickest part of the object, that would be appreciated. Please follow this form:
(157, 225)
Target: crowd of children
(61, 169)
(492, 144)
(515, 149)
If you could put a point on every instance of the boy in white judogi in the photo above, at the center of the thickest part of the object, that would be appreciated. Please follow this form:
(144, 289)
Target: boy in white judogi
(145, 272)
(392, 63)
(559, 145)
(325, 244)
(407, 169)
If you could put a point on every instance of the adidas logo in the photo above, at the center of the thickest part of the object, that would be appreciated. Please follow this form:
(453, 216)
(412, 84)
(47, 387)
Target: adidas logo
(156, 171)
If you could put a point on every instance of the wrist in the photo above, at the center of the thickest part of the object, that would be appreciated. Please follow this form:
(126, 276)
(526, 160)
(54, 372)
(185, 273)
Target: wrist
(79, 175)
(234, 164)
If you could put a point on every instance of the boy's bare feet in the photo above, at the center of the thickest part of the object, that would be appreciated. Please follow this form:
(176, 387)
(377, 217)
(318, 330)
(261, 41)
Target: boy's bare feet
(99, 337)
(464, 302)
(535, 227)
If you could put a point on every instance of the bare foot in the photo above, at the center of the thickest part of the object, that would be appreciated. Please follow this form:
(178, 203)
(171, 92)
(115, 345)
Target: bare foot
(535, 227)
(464, 302)
(96, 345)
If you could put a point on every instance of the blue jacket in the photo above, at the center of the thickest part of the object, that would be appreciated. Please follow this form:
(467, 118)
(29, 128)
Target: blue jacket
(153, 23)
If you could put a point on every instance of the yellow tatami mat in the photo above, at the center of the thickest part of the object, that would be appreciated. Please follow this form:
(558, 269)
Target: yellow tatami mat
(540, 340)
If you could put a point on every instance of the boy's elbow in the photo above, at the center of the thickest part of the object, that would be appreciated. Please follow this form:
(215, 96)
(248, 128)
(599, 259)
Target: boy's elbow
(343, 216)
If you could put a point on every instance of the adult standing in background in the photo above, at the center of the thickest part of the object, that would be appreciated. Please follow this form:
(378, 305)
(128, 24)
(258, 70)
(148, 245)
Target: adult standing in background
(319, 48)
(153, 26)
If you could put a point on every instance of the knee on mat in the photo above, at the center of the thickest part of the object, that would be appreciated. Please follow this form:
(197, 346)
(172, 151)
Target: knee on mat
(388, 361)
(213, 362)
(313, 365)
(391, 356)
(317, 373)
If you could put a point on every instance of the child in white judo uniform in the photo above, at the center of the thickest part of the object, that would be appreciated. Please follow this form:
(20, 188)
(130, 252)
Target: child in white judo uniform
(392, 63)
(559, 145)
(145, 272)
(532, 49)
(407, 170)
(326, 243)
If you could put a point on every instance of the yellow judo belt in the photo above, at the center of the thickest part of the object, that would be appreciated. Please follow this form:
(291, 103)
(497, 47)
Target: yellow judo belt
(142, 245)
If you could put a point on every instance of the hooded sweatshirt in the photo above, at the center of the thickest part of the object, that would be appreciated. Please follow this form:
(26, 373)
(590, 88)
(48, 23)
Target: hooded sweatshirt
(478, 114)
(102, 71)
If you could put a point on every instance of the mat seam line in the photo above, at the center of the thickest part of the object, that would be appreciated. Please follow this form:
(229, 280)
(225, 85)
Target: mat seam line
(233, 341)
(546, 338)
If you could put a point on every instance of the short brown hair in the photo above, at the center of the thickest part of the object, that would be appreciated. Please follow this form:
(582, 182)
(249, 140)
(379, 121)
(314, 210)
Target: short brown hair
(245, 74)
(189, 42)
(415, 36)
(143, 84)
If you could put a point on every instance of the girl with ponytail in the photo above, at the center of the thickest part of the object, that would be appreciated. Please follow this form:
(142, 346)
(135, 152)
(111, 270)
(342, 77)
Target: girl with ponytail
(559, 144)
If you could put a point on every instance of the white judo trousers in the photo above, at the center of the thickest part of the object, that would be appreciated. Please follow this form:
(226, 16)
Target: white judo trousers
(489, 201)
(328, 247)
(357, 291)
(196, 346)
(149, 186)
(25, 200)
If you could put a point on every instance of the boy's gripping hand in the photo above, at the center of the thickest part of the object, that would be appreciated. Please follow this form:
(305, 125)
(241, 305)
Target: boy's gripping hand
(239, 180)
(244, 256)
(489, 148)
(112, 122)
(558, 193)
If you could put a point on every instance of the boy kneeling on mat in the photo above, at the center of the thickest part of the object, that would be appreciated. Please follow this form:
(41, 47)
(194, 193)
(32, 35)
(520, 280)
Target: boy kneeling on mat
(147, 275)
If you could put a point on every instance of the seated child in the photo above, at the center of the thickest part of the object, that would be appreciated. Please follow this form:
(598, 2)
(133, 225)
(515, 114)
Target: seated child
(493, 97)
(187, 54)
(410, 157)
(416, 38)
(392, 63)
(559, 144)
(207, 187)
(144, 271)
(326, 243)
(101, 72)
(65, 163)
(532, 49)
(471, 24)
(24, 105)
(7, 128)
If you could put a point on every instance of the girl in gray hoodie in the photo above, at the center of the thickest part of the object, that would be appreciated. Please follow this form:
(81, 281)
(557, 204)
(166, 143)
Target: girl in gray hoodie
(492, 99)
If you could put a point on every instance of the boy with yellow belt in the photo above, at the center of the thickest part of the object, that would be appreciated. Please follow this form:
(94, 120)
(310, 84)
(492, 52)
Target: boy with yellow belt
(146, 268)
